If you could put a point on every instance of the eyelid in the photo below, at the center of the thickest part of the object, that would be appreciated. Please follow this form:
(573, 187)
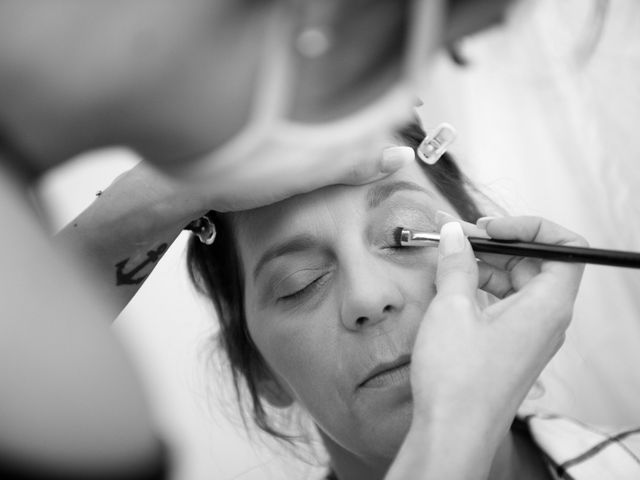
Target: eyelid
(416, 217)
(307, 288)
(308, 296)
(312, 276)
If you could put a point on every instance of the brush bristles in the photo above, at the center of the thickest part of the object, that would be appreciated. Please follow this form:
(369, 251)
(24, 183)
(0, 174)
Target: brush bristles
(409, 238)
(400, 236)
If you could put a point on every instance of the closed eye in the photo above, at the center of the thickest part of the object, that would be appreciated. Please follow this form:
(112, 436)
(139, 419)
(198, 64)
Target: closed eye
(399, 250)
(306, 290)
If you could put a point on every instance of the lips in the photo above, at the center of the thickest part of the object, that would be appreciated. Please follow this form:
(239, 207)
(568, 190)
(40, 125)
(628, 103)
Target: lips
(388, 373)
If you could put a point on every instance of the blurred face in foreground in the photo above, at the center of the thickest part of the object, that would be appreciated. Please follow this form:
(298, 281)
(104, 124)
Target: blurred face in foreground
(177, 79)
(333, 306)
(154, 74)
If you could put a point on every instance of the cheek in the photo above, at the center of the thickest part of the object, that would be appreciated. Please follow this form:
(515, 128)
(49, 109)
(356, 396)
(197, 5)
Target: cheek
(419, 277)
(302, 351)
(419, 289)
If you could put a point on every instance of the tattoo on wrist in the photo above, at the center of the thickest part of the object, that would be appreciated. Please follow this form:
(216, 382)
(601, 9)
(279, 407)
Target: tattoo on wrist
(129, 277)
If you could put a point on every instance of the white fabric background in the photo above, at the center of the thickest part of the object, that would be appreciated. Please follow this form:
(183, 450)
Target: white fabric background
(546, 130)
(541, 131)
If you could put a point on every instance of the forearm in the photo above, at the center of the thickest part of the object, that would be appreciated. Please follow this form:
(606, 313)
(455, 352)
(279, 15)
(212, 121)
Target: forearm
(461, 449)
(127, 229)
(71, 399)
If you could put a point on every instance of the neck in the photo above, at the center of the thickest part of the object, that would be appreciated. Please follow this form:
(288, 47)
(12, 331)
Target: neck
(349, 466)
(516, 457)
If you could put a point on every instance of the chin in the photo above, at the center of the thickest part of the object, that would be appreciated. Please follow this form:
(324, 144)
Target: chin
(385, 435)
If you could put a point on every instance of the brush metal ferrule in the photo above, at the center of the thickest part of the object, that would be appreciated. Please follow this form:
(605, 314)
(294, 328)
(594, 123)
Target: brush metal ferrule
(409, 238)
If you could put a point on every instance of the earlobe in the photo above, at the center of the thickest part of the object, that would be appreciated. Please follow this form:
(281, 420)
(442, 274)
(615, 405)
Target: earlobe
(271, 390)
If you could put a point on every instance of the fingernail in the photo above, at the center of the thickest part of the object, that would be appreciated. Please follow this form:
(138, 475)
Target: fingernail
(394, 158)
(452, 239)
(482, 222)
(444, 217)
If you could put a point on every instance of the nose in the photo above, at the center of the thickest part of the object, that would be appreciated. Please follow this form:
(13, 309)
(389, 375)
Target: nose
(371, 294)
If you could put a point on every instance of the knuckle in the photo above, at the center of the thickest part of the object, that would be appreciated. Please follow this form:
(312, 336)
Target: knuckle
(455, 275)
(437, 308)
(455, 264)
(455, 303)
(358, 171)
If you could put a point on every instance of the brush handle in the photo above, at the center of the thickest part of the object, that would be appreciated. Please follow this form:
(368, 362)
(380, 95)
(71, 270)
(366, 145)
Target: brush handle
(617, 258)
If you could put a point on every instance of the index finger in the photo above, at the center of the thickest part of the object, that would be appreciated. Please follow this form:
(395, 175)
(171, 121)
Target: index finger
(559, 278)
(528, 229)
(457, 273)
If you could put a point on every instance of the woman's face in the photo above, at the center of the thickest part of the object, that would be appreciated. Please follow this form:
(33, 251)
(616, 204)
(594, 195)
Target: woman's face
(334, 306)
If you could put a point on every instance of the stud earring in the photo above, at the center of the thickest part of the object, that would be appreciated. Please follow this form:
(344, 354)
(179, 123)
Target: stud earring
(204, 229)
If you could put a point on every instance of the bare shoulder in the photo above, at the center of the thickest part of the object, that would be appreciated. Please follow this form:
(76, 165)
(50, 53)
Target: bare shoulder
(66, 373)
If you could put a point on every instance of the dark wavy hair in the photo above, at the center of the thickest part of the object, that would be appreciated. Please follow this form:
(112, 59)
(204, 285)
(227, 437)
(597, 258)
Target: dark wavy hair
(216, 272)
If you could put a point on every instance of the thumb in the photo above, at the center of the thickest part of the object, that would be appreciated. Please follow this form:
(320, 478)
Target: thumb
(457, 269)
(364, 166)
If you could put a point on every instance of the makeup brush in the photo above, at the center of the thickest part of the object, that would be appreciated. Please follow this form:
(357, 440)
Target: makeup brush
(562, 253)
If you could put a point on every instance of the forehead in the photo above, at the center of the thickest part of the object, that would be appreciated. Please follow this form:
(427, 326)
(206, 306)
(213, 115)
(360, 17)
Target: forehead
(310, 211)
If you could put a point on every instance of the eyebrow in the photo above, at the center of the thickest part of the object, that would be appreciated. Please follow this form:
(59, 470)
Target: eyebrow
(381, 192)
(297, 243)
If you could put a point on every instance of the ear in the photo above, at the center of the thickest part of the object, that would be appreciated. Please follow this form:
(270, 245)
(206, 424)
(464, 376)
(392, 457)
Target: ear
(274, 393)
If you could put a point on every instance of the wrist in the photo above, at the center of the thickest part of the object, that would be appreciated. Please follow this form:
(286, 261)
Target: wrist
(154, 200)
(456, 445)
(470, 421)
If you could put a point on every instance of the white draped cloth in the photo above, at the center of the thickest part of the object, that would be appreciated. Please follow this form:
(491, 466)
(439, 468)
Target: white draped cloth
(548, 114)
(577, 451)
